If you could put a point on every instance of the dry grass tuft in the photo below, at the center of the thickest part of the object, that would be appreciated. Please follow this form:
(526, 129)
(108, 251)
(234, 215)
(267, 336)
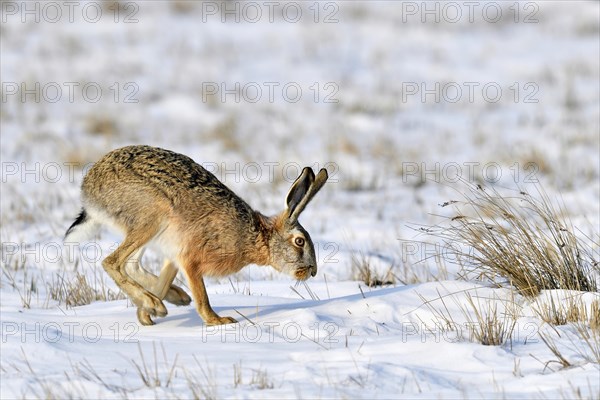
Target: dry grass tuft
(25, 287)
(583, 344)
(491, 327)
(226, 133)
(150, 374)
(102, 125)
(79, 291)
(484, 323)
(354, 183)
(183, 7)
(553, 347)
(362, 270)
(572, 309)
(595, 316)
(202, 385)
(591, 342)
(583, 332)
(520, 238)
(260, 379)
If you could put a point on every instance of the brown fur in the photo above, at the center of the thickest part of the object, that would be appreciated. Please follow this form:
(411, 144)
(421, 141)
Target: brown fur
(202, 226)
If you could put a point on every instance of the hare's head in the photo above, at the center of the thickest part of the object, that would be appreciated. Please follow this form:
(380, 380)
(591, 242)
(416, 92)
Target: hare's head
(292, 251)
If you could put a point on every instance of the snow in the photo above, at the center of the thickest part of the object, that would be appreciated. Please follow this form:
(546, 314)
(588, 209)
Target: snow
(349, 344)
(391, 158)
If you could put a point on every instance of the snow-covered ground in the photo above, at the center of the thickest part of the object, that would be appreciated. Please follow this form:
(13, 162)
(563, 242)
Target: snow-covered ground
(393, 104)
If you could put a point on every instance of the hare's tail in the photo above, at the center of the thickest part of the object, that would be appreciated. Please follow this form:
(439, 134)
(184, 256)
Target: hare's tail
(82, 228)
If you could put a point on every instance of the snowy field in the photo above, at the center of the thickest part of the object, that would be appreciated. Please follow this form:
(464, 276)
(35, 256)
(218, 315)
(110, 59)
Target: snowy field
(404, 103)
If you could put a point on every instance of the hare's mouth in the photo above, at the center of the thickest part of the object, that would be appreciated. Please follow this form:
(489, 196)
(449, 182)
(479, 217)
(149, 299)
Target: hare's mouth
(303, 273)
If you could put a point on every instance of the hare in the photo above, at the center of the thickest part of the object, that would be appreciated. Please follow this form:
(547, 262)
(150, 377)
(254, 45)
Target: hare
(161, 197)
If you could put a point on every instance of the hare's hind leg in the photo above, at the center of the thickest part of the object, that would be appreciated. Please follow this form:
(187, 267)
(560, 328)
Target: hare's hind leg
(161, 286)
(203, 307)
(115, 266)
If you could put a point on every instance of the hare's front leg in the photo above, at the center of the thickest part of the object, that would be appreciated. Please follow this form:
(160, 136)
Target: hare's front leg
(203, 307)
(115, 266)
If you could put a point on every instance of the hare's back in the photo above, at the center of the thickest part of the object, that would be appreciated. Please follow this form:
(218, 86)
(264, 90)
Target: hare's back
(137, 174)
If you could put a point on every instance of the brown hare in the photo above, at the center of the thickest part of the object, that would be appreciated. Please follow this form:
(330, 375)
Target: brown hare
(161, 197)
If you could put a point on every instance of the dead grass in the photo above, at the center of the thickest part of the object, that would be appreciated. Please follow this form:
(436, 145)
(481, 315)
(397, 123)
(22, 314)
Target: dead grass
(583, 344)
(150, 373)
(401, 269)
(410, 274)
(261, 380)
(81, 158)
(572, 309)
(25, 287)
(591, 342)
(489, 326)
(484, 322)
(595, 316)
(581, 335)
(420, 262)
(70, 386)
(342, 144)
(182, 6)
(553, 347)
(521, 238)
(358, 183)
(78, 291)
(204, 385)
(363, 270)
(225, 132)
(102, 125)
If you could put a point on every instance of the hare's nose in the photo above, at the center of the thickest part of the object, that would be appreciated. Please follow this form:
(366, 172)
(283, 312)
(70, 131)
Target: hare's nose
(313, 271)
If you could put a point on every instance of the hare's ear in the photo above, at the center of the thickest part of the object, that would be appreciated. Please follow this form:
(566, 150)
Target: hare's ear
(298, 191)
(302, 192)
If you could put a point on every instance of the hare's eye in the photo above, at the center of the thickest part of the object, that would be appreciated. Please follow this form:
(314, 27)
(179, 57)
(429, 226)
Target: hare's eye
(299, 241)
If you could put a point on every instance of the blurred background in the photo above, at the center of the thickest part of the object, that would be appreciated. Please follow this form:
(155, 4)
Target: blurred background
(397, 99)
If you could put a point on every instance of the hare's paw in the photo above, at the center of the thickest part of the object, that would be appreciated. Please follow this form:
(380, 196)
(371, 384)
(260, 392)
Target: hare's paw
(221, 321)
(178, 296)
(152, 305)
(144, 317)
